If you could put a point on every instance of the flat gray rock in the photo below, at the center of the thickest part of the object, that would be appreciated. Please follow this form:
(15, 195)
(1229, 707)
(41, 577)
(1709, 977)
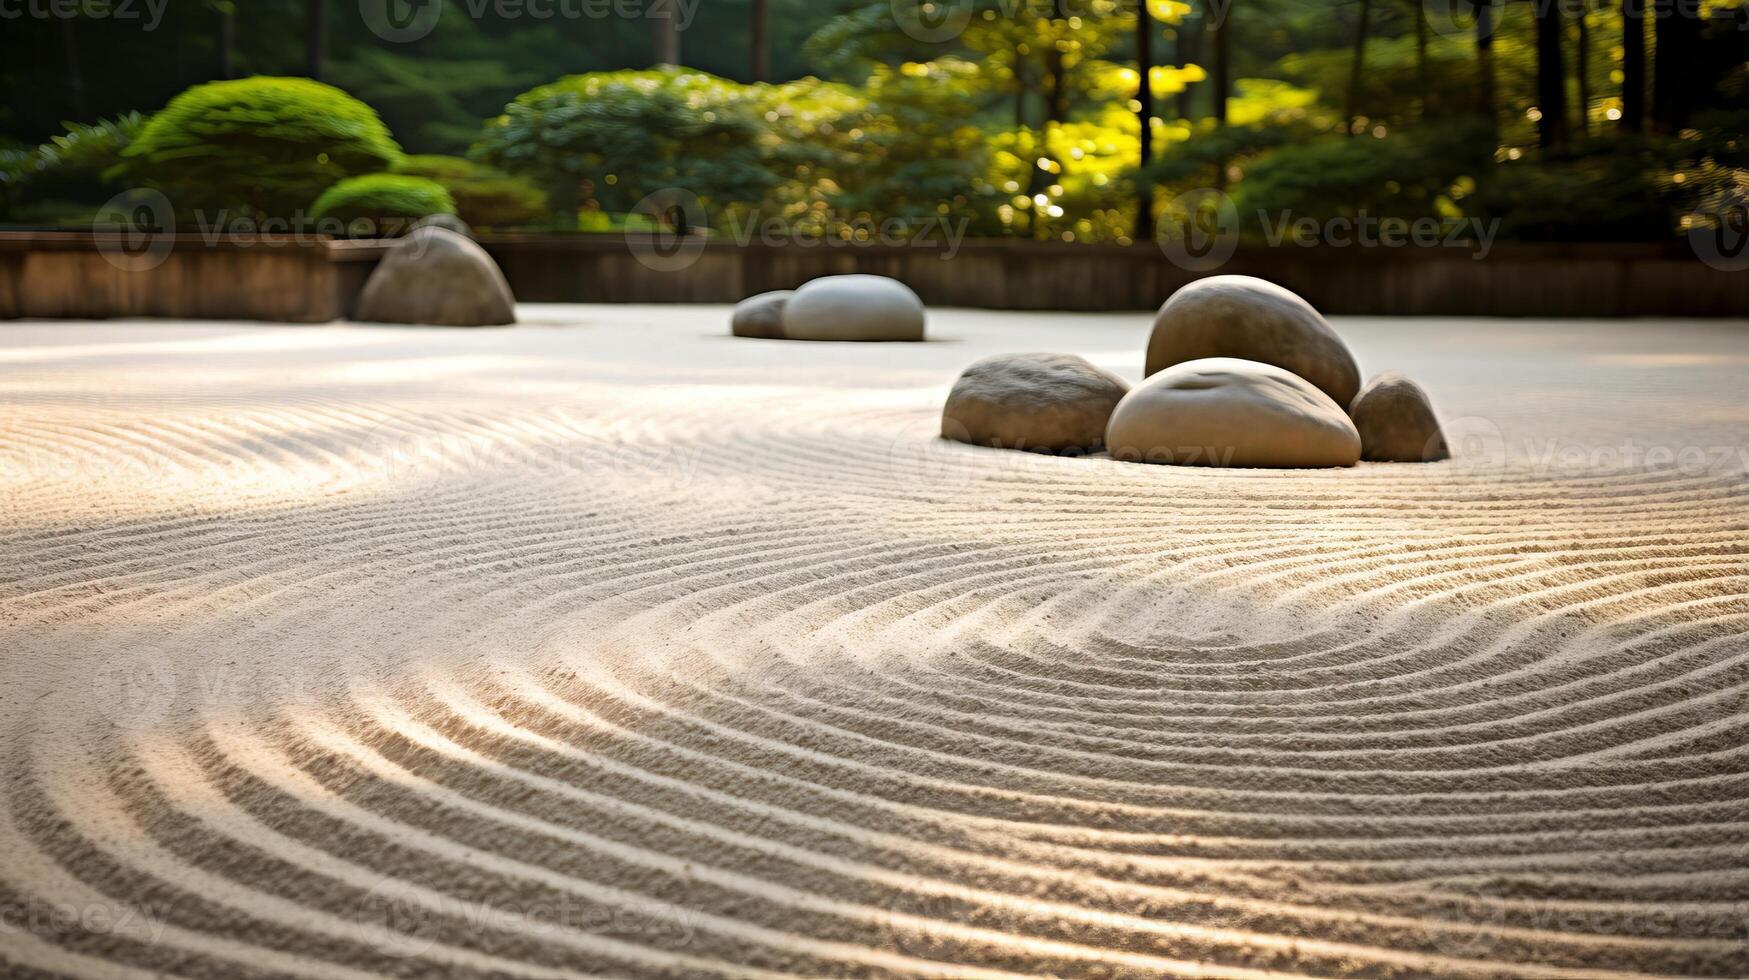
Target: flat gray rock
(761, 316)
(1223, 411)
(854, 308)
(1244, 317)
(435, 276)
(1037, 402)
(1396, 422)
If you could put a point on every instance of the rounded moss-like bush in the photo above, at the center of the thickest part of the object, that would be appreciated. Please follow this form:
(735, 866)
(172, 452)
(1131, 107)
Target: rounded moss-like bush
(380, 204)
(263, 145)
(662, 129)
(485, 197)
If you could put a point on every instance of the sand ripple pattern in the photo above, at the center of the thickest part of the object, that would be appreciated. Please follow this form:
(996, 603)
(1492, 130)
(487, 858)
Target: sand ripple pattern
(411, 655)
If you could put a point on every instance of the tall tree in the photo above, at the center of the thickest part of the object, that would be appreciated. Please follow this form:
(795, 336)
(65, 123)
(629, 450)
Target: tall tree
(1222, 76)
(1582, 66)
(1357, 65)
(315, 37)
(667, 35)
(227, 16)
(1678, 79)
(75, 73)
(1485, 72)
(761, 41)
(1423, 75)
(1057, 65)
(1551, 76)
(1633, 65)
(1145, 115)
(1189, 52)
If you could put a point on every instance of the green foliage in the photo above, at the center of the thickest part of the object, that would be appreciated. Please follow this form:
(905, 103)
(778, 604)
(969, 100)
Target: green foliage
(1417, 174)
(612, 138)
(382, 202)
(266, 145)
(484, 197)
(80, 168)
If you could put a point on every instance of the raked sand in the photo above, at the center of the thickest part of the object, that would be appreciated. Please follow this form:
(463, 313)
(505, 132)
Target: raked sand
(611, 645)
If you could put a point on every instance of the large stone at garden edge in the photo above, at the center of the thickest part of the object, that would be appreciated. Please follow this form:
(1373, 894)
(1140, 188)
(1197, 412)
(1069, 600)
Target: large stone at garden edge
(1037, 402)
(1240, 316)
(1223, 411)
(761, 316)
(1396, 422)
(854, 308)
(435, 276)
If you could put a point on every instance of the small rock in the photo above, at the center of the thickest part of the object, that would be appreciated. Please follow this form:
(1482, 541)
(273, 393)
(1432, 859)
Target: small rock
(761, 316)
(1223, 411)
(437, 277)
(1244, 317)
(1038, 402)
(854, 308)
(1396, 422)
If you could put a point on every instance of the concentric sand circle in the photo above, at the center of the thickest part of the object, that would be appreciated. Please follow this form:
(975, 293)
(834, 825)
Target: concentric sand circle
(606, 646)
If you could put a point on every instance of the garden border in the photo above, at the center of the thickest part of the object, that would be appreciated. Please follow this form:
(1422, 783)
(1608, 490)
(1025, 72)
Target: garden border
(72, 275)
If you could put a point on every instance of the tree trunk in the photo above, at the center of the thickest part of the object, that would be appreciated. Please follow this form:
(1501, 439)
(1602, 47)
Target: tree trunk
(1485, 64)
(1056, 68)
(1633, 65)
(761, 42)
(1145, 115)
(1188, 51)
(228, 43)
(1583, 68)
(667, 36)
(1357, 64)
(1423, 76)
(316, 38)
(1222, 76)
(1677, 77)
(1551, 78)
(75, 74)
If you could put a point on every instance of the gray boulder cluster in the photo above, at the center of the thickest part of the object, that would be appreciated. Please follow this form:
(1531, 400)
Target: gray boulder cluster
(845, 308)
(1240, 372)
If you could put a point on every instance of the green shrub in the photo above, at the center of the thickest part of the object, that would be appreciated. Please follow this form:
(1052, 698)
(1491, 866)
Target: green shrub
(72, 172)
(386, 203)
(616, 137)
(484, 196)
(265, 145)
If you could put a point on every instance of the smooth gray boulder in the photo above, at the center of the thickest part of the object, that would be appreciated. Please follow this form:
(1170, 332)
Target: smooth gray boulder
(1396, 422)
(761, 316)
(1223, 411)
(1244, 317)
(1038, 402)
(854, 308)
(438, 277)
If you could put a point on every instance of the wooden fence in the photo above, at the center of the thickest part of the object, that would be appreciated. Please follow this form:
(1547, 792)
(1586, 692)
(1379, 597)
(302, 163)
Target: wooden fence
(314, 281)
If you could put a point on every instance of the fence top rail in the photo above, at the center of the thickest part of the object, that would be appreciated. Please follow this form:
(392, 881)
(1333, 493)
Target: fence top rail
(349, 250)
